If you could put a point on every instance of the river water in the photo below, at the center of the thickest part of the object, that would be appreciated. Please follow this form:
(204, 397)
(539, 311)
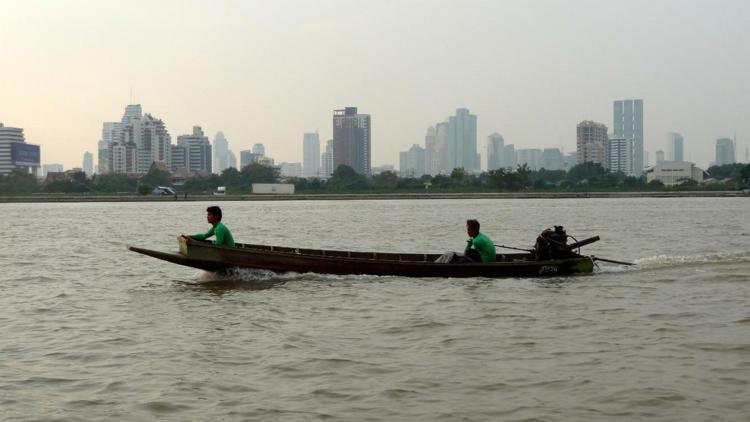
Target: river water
(91, 331)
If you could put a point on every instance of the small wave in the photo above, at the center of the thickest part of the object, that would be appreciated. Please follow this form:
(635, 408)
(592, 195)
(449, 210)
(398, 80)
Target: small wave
(659, 261)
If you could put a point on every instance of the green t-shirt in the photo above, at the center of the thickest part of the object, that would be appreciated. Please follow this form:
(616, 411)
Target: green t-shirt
(484, 245)
(223, 237)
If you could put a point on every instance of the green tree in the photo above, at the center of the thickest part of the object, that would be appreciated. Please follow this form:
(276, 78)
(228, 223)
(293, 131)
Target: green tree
(112, 183)
(745, 176)
(346, 178)
(259, 173)
(145, 189)
(157, 177)
(18, 181)
(386, 180)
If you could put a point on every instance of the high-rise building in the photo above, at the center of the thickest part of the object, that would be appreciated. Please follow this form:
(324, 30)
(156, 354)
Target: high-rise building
(411, 162)
(571, 160)
(110, 134)
(495, 150)
(311, 155)
(431, 154)
(462, 141)
(146, 133)
(552, 159)
(220, 153)
(231, 159)
(198, 150)
(88, 164)
(179, 158)
(352, 140)
(660, 156)
(591, 142)
(724, 152)
(532, 157)
(248, 157)
(675, 145)
(15, 153)
(509, 157)
(259, 149)
(628, 124)
(123, 158)
(326, 160)
(290, 169)
(444, 151)
(619, 156)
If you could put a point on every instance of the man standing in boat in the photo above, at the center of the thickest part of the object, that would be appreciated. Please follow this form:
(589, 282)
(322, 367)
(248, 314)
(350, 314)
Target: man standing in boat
(479, 247)
(223, 236)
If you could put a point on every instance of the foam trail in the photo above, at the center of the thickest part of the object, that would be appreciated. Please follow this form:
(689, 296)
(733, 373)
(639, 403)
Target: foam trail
(660, 261)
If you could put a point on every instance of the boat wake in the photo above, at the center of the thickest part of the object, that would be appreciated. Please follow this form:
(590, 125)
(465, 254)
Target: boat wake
(667, 261)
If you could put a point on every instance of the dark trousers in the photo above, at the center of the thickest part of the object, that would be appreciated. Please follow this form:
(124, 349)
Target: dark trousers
(473, 255)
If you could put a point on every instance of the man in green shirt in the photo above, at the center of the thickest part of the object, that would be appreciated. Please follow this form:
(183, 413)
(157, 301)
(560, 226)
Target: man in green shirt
(223, 236)
(479, 247)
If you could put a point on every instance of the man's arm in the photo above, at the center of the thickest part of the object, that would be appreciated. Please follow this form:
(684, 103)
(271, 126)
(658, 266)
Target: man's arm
(203, 236)
(469, 244)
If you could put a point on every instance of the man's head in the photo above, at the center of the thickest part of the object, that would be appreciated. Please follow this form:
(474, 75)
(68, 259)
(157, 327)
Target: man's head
(472, 228)
(213, 215)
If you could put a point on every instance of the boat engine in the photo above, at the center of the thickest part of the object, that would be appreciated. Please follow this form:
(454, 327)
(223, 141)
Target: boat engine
(552, 244)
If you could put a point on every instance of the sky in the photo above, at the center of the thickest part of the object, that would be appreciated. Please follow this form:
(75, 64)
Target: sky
(269, 71)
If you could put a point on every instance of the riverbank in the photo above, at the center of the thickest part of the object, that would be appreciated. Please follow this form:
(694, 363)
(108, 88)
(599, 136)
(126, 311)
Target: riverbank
(366, 196)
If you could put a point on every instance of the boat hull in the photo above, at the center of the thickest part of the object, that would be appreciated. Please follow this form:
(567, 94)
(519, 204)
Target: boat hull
(209, 257)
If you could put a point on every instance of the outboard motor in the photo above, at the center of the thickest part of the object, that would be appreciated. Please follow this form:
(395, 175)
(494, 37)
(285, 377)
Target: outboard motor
(551, 244)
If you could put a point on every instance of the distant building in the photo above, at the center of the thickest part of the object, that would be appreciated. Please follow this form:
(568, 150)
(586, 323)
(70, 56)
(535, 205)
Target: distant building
(411, 162)
(147, 134)
(88, 164)
(290, 169)
(15, 153)
(352, 142)
(660, 156)
(675, 146)
(326, 160)
(571, 160)
(628, 124)
(431, 154)
(532, 157)
(198, 151)
(311, 155)
(231, 159)
(382, 169)
(552, 159)
(123, 158)
(220, 153)
(672, 173)
(509, 157)
(724, 152)
(619, 156)
(179, 159)
(259, 149)
(248, 157)
(51, 168)
(495, 150)
(591, 142)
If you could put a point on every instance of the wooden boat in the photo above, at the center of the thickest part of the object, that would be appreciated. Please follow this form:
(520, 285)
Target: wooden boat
(207, 256)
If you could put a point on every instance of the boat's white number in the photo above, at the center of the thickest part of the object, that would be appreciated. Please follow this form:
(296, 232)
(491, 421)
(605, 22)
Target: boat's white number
(548, 269)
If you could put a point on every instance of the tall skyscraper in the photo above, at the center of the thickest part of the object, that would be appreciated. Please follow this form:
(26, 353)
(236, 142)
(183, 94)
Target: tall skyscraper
(411, 162)
(88, 164)
(352, 140)
(462, 140)
(15, 153)
(220, 153)
(231, 159)
(675, 145)
(509, 157)
(552, 159)
(431, 154)
(259, 149)
(591, 142)
(495, 149)
(311, 155)
(628, 124)
(326, 160)
(198, 150)
(619, 155)
(724, 152)
(532, 157)
(147, 134)
(659, 156)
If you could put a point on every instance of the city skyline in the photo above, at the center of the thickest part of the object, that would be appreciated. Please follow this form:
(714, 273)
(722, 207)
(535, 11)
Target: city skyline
(238, 81)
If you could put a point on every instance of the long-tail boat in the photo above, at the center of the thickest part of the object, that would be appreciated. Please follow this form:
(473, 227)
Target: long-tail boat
(210, 257)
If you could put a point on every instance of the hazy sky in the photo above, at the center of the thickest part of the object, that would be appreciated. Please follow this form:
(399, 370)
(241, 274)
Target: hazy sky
(268, 71)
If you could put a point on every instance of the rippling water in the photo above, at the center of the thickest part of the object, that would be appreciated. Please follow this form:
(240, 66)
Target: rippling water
(90, 331)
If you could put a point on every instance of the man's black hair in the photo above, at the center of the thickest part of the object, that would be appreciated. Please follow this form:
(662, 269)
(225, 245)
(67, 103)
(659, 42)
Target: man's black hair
(215, 211)
(474, 224)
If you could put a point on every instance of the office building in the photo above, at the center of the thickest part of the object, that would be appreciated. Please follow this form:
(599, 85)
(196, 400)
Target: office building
(509, 157)
(310, 155)
(660, 156)
(123, 158)
(15, 153)
(88, 164)
(431, 154)
(672, 173)
(198, 157)
(352, 140)
(290, 169)
(146, 133)
(462, 142)
(724, 152)
(326, 160)
(179, 159)
(231, 159)
(412, 162)
(495, 150)
(259, 149)
(591, 142)
(571, 160)
(619, 156)
(552, 159)
(220, 152)
(531, 157)
(675, 145)
(628, 124)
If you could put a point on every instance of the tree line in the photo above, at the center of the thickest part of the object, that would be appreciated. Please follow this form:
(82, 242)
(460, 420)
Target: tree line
(583, 177)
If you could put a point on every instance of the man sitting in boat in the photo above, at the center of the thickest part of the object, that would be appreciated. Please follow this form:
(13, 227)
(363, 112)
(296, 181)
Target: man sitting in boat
(223, 236)
(479, 247)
